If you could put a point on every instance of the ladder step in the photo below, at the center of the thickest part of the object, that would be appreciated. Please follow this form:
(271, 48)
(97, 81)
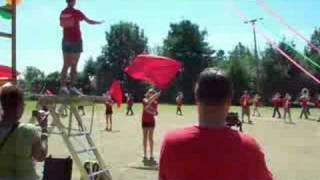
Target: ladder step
(6, 35)
(92, 175)
(79, 134)
(86, 150)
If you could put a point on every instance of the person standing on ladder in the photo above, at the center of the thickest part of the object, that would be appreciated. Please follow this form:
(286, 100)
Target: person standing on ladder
(72, 43)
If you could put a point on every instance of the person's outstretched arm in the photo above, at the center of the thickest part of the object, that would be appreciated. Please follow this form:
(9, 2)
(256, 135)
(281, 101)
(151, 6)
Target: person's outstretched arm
(93, 22)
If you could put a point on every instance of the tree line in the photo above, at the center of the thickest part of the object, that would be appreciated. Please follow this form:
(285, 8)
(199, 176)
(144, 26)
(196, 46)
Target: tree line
(188, 43)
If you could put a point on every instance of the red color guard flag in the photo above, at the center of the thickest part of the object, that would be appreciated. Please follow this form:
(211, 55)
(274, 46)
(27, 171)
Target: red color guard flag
(6, 72)
(116, 92)
(157, 70)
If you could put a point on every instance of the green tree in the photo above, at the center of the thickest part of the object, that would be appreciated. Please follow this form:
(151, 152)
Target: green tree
(187, 43)
(125, 40)
(52, 82)
(32, 73)
(219, 60)
(279, 74)
(90, 68)
(311, 52)
(34, 79)
(241, 70)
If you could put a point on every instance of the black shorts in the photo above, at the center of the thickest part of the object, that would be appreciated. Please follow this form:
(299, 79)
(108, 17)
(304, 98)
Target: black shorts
(108, 112)
(148, 124)
(72, 47)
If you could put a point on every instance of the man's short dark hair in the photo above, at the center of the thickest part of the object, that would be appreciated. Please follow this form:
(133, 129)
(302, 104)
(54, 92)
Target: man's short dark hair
(69, 1)
(10, 98)
(213, 87)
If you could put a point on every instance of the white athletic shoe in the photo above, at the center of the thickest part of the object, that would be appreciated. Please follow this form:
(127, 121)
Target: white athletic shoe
(64, 90)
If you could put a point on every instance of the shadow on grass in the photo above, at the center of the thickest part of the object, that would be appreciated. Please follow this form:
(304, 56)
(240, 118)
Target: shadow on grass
(312, 119)
(292, 123)
(148, 168)
(142, 166)
(113, 131)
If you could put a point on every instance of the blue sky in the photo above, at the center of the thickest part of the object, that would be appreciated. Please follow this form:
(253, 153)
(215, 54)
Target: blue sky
(39, 34)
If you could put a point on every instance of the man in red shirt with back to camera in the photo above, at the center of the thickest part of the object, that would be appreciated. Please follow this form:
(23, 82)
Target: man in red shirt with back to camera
(210, 150)
(70, 19)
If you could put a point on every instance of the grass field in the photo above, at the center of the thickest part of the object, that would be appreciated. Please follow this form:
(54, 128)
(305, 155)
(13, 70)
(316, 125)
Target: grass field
(292, 150)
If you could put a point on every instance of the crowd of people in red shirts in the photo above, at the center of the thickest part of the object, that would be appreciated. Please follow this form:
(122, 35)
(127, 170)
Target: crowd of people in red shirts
(279, 101)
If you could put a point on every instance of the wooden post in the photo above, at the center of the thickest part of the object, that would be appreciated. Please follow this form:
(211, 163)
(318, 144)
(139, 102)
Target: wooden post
(13, 43)
(92, 117)
(70, 123)
(5, 35)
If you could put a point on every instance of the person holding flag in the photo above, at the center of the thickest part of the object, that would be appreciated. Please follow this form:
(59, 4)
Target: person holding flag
(70, 19)
(109, 111)
(150, 110)
(179, 101)
(113, 95)
(245, 106)
(159, 72)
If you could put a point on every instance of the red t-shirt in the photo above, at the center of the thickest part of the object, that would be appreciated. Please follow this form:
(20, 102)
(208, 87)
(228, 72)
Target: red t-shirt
(277, 102)
(72, 34)
(318, 103)
(130, 101)
(245, 101)
(147, 116)
(179, 102)
(257, 102)
(199, 153)
(286, 102)
(304, 102)
(108, 106)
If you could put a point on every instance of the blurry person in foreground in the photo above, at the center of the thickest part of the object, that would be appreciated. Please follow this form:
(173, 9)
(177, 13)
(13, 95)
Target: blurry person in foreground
(210, 150)
(21, 144)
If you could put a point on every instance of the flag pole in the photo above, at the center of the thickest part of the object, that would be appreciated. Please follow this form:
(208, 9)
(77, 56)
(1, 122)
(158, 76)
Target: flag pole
(13, 43)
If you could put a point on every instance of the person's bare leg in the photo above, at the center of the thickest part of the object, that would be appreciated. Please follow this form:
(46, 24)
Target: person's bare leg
(67, 58)
(249, 114)
(110, 117)
(74, 64)
(242, 114)
(259, 114)
(289, 114)
(144, 141)
(150, 137)
(107, 122)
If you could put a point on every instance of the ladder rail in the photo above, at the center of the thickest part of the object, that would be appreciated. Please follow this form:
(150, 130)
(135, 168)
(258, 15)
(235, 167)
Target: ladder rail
(84, 131)
(66, 139)
(89, 139)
